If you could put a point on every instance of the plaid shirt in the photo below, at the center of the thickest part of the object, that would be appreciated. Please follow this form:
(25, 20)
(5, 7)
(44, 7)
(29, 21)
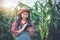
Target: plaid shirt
(14, 25)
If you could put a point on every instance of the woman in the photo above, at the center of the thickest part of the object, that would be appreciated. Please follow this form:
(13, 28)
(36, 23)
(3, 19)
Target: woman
(23, 27)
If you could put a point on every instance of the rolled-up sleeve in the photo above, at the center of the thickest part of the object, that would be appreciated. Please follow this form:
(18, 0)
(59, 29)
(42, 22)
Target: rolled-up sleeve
(32, 30)
(14, 24)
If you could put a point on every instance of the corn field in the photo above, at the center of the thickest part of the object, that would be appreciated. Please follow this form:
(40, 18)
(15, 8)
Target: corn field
(46, 19)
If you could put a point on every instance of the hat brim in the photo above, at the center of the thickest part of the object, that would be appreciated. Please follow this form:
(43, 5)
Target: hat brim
(21, 11)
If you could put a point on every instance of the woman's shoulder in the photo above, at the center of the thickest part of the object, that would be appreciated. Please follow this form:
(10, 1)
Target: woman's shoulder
(14, 23)
(32, 24)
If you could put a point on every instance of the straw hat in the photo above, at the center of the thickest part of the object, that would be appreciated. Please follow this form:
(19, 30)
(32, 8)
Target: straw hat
(23, 9)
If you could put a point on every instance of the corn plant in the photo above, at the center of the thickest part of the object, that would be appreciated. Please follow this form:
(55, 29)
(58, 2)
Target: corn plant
(41, 17)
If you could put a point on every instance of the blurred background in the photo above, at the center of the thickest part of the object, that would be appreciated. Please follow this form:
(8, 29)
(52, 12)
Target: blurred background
(45, 15)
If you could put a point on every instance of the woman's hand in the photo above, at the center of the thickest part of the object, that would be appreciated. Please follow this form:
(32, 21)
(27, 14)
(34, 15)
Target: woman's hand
(30, 29)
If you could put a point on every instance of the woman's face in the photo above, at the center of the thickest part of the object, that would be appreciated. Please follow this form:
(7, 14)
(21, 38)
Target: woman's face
(24, 15)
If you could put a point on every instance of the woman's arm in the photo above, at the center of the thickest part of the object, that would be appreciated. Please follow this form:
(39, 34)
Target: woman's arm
(17, 32)
(31, 31)
(13, 29)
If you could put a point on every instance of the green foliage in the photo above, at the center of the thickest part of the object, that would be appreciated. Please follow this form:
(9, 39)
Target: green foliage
(5, 27)
(46, 18)
(41, 18)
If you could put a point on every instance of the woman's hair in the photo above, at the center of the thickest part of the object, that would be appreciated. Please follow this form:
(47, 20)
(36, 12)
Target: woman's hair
(20, 18)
